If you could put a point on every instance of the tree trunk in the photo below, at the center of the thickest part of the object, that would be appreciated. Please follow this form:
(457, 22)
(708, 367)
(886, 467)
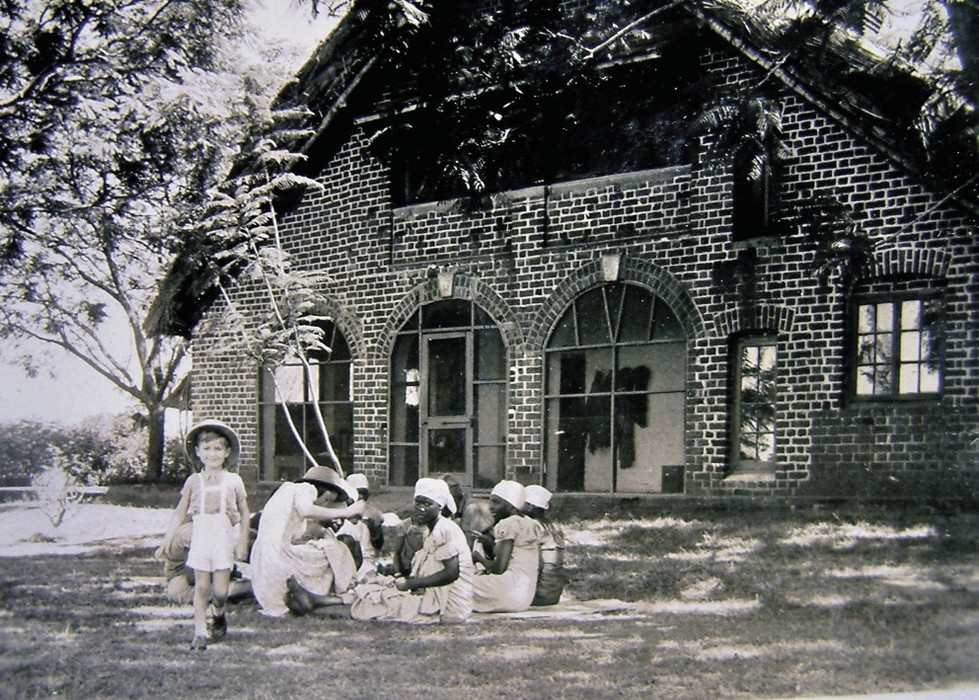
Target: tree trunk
(155, 426)
(964, 23)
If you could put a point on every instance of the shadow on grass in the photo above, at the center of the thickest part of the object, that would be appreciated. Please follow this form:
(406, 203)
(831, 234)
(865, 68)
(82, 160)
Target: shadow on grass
(840, 602)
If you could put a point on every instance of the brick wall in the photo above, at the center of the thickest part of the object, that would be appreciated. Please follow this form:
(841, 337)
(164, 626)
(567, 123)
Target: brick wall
(528, 254)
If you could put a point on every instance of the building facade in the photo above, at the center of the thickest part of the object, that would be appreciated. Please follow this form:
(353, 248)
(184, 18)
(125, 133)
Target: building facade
(675, 328)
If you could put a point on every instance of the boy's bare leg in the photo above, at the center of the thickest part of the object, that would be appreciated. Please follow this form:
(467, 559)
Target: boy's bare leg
(202, 597)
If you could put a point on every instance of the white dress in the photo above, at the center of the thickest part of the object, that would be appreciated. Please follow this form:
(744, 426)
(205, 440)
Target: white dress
(321, 566)
(450, 603)
(513, 590)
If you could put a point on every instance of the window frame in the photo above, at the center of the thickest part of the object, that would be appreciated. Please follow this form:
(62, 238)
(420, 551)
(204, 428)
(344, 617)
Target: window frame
(737, 464)
(270, 461)
(897, 298)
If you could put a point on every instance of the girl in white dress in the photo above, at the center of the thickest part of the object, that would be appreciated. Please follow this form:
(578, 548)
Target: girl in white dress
(280, 553)
(510, 556)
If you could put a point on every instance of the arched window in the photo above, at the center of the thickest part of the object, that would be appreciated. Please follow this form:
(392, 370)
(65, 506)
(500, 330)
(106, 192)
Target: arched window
(614, 398)
(327, 384)
(448, 396)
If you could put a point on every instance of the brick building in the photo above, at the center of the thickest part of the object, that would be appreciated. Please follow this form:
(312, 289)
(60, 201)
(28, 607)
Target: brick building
(639, 319)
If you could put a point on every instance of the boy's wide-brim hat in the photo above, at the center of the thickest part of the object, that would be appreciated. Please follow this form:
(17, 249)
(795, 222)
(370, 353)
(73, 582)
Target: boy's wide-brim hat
(330, 479)
(214, 426)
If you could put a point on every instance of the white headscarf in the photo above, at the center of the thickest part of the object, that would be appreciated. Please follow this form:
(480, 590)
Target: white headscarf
(537, 496)
(509, 491)
(358, 481)
(435, 490)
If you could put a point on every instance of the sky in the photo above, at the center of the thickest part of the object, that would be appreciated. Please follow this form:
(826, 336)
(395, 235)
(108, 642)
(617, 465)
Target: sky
(67, 390)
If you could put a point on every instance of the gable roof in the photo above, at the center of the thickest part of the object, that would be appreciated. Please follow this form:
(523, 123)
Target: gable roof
(873, 99)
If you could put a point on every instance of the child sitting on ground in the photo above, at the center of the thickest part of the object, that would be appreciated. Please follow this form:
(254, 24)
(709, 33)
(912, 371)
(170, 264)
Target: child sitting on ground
(215, 500)
(551, 577)
(366, 529)
(511, 556)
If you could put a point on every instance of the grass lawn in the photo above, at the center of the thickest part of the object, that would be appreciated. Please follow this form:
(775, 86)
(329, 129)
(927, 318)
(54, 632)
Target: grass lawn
(710, 602)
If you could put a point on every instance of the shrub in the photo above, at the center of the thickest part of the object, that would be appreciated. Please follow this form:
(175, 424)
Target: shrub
(98, 451)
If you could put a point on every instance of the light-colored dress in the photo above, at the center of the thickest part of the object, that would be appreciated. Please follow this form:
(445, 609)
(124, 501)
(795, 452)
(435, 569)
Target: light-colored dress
(322, 566)
(513, 590)
(449, 603)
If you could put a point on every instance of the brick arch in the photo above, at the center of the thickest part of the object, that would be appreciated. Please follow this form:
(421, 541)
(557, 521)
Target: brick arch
(909, 261)
(636, 271)
(757, 317)
(464, 286)
(348, 324)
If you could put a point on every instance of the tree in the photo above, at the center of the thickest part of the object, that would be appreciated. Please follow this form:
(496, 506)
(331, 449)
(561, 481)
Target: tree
(242, 234)
(483, 87)
(116, 117)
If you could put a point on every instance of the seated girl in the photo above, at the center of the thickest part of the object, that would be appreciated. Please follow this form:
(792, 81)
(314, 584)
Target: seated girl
(439, 585)
(282, 550)
(510, 557)
(551, 578)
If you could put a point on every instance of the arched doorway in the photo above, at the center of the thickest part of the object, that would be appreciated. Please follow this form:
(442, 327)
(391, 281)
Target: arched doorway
(448, 396)
(615, 368)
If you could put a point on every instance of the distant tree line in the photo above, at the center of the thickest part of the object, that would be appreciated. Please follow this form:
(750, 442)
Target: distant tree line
(99, 451)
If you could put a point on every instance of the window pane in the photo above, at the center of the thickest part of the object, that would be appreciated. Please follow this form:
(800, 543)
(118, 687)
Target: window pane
(404, 465)
(909, 379)
(447, 376)
(930, 379)
(289, 380)
(446, 450)
(285, 441)
(637, 314)
(867, 319)
(491, 411)
(490, 355)
(666, 326)
(335, 382)
(911, 315)
(481, 318)
(592, 319)
(451, 313)
(885, 318)
(490, 463)
(404, 413)
(564, 332)
(910, 347)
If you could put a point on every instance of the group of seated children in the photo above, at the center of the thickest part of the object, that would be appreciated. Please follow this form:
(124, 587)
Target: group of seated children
(319, 546)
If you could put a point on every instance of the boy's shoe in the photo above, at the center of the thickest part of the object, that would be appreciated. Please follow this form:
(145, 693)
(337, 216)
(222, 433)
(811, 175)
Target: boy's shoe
(199, 642)
(219, 627)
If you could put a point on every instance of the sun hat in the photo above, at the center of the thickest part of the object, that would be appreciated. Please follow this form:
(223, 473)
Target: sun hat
(324, 476)
(537, 496)
(509, 491)
(214, 426)
(358, 481)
